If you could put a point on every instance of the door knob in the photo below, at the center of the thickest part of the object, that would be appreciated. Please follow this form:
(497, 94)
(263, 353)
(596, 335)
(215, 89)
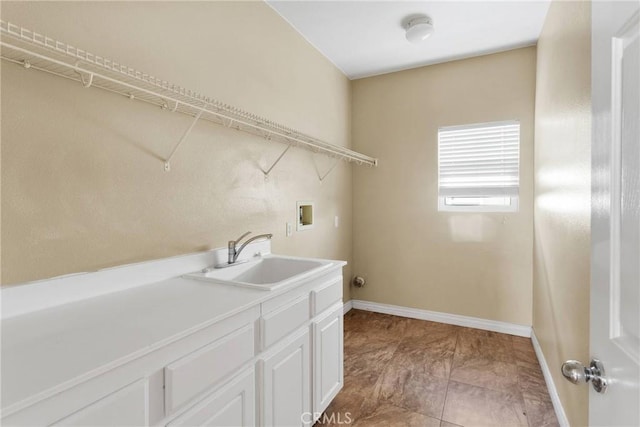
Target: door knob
(575, 372)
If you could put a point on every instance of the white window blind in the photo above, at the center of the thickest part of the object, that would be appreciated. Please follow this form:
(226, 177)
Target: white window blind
(479, 160)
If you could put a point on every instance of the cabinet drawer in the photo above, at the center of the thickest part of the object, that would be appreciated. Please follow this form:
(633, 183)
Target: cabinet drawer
(125, 407)
(194, 373)
(232, 405)
(281, 322)
(325, 297)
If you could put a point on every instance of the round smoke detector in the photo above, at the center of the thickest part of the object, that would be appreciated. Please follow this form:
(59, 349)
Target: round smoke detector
(419, 28)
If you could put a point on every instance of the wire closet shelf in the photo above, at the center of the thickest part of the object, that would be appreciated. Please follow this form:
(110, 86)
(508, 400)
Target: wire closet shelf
(36, 51)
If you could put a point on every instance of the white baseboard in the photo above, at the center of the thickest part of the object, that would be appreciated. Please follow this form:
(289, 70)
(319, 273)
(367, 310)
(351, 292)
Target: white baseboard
(347, 306)
(435, 316)
(551, 386)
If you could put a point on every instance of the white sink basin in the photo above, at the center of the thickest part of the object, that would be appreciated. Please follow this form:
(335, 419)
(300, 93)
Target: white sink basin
(267, 273)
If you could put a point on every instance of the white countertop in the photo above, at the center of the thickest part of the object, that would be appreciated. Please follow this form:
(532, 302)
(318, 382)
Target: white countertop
(48, 347)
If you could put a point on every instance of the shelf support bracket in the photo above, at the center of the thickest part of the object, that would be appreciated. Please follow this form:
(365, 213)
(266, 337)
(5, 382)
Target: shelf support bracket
(333, 166)
(86, 83)
(268, 171)
(167, 163)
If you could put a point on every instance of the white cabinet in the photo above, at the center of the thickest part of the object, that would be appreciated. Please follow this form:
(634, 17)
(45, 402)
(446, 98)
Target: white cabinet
(232, 405)
(327, 358)
(194, 373)
(274, 364)
(283, 321)
(285, 377)
(125, 407)
(325, 296)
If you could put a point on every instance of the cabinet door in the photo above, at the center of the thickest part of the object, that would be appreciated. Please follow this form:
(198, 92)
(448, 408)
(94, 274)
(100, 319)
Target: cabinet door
(233, 405)
(125, 407)
(327, 358)
(286, 392)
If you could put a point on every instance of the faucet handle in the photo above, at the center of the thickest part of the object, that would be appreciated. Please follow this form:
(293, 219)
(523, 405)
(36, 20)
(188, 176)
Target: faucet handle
(241, 237)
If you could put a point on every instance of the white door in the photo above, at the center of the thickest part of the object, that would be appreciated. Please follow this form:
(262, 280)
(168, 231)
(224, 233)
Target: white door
(615, 244)
(327, 359)
(286, 390)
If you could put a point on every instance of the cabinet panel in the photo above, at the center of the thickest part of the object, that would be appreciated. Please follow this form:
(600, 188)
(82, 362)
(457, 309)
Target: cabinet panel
(231, 406)
(194, 373)
(125, 407)
(327, 358)
(279, 323)
(285, 380)
(326, 296)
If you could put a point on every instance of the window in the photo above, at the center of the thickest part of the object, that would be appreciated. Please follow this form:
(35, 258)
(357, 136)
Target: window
(479, 167)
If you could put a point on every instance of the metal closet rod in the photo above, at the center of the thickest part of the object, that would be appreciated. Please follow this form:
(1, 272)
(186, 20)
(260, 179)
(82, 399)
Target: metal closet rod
(37, 52)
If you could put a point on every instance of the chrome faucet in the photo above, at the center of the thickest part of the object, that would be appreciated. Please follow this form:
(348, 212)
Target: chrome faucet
(234, 251)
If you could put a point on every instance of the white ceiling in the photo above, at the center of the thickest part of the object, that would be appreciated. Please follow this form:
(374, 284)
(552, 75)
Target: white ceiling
(365, 38)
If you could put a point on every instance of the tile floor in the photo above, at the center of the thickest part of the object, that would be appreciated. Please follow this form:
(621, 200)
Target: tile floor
(408, 372)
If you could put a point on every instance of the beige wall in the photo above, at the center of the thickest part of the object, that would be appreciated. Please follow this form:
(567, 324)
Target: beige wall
(83, 185)
(562, 196)
(472, 264)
